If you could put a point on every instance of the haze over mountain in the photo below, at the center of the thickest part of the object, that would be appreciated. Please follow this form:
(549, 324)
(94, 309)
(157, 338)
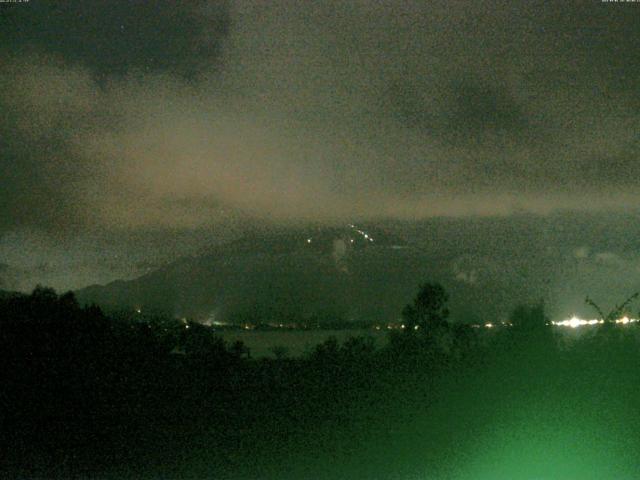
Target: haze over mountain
(368, 272)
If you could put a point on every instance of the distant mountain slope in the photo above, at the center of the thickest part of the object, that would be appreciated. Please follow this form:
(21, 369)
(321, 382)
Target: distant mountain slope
(487, 265)
(325, 273)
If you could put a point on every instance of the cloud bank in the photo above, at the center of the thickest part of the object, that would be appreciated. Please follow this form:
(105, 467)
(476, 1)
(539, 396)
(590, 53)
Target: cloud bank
(163, 115)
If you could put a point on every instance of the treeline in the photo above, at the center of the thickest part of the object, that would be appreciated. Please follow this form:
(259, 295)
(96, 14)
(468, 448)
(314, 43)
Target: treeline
(87, 395)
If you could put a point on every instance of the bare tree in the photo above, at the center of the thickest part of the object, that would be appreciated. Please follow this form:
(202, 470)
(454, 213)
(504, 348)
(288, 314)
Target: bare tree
(616, 312)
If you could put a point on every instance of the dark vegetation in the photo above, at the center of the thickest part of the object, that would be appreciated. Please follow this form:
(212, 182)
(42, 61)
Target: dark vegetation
(87, 396)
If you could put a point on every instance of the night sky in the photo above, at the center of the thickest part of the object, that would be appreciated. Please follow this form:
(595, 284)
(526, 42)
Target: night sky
(132, 132)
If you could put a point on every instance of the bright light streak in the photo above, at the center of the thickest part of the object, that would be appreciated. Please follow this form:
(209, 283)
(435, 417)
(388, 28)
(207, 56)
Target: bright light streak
(575, 322)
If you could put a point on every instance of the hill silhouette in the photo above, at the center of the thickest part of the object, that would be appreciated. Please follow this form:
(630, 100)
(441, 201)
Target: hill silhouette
(323, 273)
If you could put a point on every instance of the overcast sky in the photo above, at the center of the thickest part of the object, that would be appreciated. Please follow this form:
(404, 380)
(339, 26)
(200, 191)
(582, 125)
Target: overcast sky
(146, 113)
(121, 116)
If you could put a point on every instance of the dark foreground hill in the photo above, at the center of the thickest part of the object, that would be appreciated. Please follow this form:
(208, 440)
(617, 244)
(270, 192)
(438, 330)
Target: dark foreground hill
(86, 396)
(4, 294)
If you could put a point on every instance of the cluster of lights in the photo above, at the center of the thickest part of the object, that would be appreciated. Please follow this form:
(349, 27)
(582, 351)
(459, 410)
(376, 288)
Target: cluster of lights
(395, 326)
(575, 322)
(364, 234)
(361, 232)
(490, 325)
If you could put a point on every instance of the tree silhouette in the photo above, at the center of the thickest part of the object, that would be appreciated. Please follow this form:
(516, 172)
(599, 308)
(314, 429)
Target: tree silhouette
(239, 350)
(280, 352)
(200, 341)
(616, 312)
(529, 318)
(428, 310)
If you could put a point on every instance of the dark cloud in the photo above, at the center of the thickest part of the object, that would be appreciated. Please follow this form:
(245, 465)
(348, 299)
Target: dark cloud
(121, 37)
(60, 63)
(182, 115)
